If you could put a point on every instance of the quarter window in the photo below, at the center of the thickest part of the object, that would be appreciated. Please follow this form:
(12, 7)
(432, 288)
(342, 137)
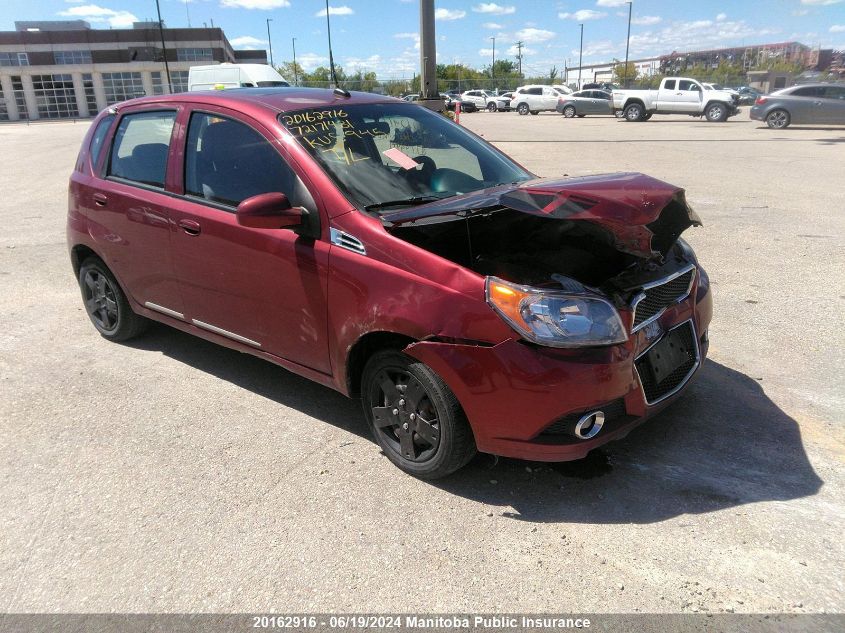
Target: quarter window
(99, 137)
(227, 162)
(141, 145)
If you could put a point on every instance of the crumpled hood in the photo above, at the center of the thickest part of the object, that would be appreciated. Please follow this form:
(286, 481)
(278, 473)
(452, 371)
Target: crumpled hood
(641, 215)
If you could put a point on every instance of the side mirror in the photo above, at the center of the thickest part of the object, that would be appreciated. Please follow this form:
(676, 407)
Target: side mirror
(269, 211)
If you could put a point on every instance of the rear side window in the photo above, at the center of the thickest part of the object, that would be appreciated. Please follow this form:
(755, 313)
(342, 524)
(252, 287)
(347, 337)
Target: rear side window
(534, 91)
(226, 162)
(809, 91)
(683, 84)
(669, 85)
(140, 148)
(99, 138)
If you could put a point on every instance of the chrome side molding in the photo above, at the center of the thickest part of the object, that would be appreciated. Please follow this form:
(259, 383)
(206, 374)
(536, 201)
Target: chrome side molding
(226, 333)
(163, 310)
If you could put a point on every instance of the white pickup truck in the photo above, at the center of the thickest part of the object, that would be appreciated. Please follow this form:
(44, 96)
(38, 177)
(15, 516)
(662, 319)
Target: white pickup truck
(676, 95)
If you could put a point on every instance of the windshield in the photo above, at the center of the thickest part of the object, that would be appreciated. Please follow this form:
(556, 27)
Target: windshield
(393, 154)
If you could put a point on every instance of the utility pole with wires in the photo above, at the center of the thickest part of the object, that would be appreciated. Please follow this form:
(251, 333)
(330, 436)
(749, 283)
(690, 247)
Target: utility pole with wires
(627, 44)
(580, 57)
(519, 56)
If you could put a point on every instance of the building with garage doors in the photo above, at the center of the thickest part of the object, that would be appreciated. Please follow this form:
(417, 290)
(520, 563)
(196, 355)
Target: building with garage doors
(66, 69)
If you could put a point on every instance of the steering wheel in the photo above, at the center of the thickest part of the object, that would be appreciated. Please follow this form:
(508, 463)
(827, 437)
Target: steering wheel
(421, 176)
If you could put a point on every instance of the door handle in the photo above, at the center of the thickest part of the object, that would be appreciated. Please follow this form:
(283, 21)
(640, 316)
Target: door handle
(191, 227)
(817, 102)
(100, 199)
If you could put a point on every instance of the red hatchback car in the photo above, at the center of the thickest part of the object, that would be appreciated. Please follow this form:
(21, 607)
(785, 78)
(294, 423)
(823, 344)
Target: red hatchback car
(376, 247)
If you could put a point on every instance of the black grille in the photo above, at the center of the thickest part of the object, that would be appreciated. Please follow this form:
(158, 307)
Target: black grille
(658, 298)
(561, 430)
(654, 390)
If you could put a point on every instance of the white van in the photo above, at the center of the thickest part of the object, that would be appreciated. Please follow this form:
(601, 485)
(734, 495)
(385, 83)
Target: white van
(223, 76)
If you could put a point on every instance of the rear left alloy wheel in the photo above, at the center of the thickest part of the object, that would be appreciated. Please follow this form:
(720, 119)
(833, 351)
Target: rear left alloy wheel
(491, 107)
(416, 419)
(106, 304)
(569, 111)
(777, 119)
(522, 109)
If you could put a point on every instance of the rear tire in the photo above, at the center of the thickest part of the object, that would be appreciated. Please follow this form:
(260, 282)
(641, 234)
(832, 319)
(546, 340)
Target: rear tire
(491, 107)
(634, 112)
(106, 304)
(778, 119)
(437, 440)
(581, 116)
(716, 112)
(522, 108)
(569, 111)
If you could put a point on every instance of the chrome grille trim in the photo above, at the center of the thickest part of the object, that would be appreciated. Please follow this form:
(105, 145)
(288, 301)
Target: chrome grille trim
(654, 284)
(349, 242)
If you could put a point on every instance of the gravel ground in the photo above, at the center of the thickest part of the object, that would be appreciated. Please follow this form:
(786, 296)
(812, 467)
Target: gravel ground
(172, 475)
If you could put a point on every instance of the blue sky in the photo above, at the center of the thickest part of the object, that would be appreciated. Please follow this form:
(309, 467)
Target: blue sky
(381, 35)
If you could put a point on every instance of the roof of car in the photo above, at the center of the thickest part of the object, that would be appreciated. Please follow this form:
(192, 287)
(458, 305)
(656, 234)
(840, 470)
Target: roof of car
(278, 99)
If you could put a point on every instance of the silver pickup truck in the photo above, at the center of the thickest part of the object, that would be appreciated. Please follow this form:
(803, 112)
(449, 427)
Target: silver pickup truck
(676, 95)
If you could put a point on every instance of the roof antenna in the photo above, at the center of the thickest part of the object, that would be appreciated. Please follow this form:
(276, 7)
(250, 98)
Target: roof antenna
(331, 58)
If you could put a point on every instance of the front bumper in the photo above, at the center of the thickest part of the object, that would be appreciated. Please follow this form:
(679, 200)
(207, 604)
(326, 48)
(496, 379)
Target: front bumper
(513, 392)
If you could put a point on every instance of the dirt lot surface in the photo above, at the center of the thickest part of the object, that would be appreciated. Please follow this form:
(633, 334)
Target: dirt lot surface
(174, 475)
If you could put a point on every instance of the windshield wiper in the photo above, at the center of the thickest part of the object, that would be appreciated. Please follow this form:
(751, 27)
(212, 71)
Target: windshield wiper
(406, 202)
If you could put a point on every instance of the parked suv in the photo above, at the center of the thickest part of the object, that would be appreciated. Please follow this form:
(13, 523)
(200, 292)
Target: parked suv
(377, 248)
(534, 99)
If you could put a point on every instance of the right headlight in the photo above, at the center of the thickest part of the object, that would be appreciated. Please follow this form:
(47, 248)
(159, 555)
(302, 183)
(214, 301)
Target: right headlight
(554, 318)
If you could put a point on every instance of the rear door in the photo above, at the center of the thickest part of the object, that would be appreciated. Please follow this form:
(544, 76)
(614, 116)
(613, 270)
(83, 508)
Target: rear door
(262, 287)
(133, 221)
(550, 97)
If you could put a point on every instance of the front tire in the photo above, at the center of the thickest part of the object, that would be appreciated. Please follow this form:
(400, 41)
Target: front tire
(716, 112)
(522, 108)
(414, 416)
(778, 119)
(106, 304)
(569, 111)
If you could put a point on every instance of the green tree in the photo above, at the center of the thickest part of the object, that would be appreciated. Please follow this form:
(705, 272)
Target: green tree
(290, 72)
(624, 75)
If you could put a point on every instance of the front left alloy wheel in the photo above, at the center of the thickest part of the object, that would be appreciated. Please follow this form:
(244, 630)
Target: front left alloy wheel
(416, 419)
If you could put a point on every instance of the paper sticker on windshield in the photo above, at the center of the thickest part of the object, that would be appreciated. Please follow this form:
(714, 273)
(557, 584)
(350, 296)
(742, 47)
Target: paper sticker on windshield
(401, 158)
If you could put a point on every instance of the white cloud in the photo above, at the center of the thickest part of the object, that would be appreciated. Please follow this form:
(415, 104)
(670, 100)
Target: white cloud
(611, 3)
(647, 20)
(409, 36)
(493, 8)
(697, 34)
(449, 14)
(354, 64)
(264, 5)
(492, 26)
(535, 35)
(247, 41)
(99, 15)
(800, 12)
(513, 51)
(582, 15)
(721, 17)
(602, 48)
(342, 10)
(310, 61)
(820, 2)
(837, 28)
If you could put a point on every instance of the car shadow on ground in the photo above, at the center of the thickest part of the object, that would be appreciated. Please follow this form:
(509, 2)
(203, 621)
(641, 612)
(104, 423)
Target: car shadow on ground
(723, 445)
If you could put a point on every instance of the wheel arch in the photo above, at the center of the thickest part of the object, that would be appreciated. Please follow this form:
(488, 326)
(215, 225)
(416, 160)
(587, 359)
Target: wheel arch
(635, 100)
(361, 351)
(79, 254)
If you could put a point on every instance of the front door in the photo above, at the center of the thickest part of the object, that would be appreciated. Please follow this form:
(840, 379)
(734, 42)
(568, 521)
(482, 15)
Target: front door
(262, 287)
(688, 97)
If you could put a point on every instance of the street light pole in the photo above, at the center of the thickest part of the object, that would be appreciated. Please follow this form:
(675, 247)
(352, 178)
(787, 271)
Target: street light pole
(269, 41)
(493, 65)
(164, 48)
(295, 73)
(628, 43)
(580, 57)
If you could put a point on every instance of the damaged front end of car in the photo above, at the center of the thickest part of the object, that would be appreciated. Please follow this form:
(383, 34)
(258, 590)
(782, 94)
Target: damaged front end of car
(563, 257)
(610, 307)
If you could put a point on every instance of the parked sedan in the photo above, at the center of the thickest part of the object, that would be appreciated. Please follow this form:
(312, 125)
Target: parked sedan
(808, 103)
(374, 246)
(585, 102)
